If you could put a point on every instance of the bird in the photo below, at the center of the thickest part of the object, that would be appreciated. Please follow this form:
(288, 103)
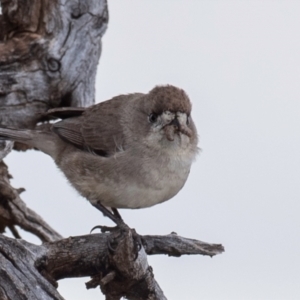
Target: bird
(132, 151)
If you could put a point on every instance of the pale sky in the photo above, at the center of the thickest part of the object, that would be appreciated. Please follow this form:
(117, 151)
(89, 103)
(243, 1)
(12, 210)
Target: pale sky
(239, 61)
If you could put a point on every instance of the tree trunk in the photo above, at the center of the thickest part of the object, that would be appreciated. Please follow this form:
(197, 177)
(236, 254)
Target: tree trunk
(49, 51)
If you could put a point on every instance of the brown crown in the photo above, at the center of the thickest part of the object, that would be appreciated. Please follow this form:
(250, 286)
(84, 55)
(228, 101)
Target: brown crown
(170, 98)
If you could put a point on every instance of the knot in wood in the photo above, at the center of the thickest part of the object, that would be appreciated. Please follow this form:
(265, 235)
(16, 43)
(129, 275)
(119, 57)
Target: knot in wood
(76, 13)
(78, 10)
(53, 64)
(101, 21)
(41, 263)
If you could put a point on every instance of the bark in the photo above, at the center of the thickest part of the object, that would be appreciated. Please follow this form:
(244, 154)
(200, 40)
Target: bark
(49, 51)
(113, 260)
(13, 211)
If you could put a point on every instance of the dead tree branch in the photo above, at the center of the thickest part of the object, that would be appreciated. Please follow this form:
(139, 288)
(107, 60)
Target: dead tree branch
(13, 211)
(111, 259)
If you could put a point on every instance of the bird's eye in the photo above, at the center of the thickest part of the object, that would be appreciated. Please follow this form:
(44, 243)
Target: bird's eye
(153, 118)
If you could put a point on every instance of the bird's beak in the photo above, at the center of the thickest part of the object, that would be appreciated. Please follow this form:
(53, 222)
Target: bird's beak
(175, 123)
(178, 124)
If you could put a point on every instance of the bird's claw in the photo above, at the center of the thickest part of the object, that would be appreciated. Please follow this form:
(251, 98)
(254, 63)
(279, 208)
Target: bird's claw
(105, 229)
(137, 240)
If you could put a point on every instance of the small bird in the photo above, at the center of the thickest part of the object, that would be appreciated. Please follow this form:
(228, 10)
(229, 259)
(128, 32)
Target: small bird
(132, 151)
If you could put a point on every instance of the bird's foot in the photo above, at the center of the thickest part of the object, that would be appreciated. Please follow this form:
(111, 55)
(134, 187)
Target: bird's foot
(118, 231)
(105, 229)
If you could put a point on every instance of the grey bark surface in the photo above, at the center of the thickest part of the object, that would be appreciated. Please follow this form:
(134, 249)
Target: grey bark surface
(13, 211)
(49, 51)
(121, 272)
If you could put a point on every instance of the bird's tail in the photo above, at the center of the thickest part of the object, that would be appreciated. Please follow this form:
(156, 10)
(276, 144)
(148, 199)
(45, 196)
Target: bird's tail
(18, 135)
(43, 140)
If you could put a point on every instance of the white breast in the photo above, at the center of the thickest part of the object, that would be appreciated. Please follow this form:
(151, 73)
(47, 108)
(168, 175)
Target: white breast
(133, 182)
(158, 184)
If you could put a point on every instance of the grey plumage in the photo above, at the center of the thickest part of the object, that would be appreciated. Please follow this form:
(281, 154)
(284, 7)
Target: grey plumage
(131, 151)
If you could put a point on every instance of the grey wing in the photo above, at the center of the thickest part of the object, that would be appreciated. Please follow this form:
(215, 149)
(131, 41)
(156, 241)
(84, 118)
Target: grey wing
(102, 129)
(69, 130)
(98, 129)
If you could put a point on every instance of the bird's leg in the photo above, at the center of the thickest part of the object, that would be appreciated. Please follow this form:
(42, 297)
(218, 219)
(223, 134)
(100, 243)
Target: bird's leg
(116, 213)
(115, 217)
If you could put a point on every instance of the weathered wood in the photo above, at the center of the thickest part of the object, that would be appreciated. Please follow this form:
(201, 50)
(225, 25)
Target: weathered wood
(19, 279)
(49, 51)
(111, 259)
(13, 211)
(175, 245)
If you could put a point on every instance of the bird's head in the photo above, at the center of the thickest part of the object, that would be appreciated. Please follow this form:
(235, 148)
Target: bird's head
(169, 122)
